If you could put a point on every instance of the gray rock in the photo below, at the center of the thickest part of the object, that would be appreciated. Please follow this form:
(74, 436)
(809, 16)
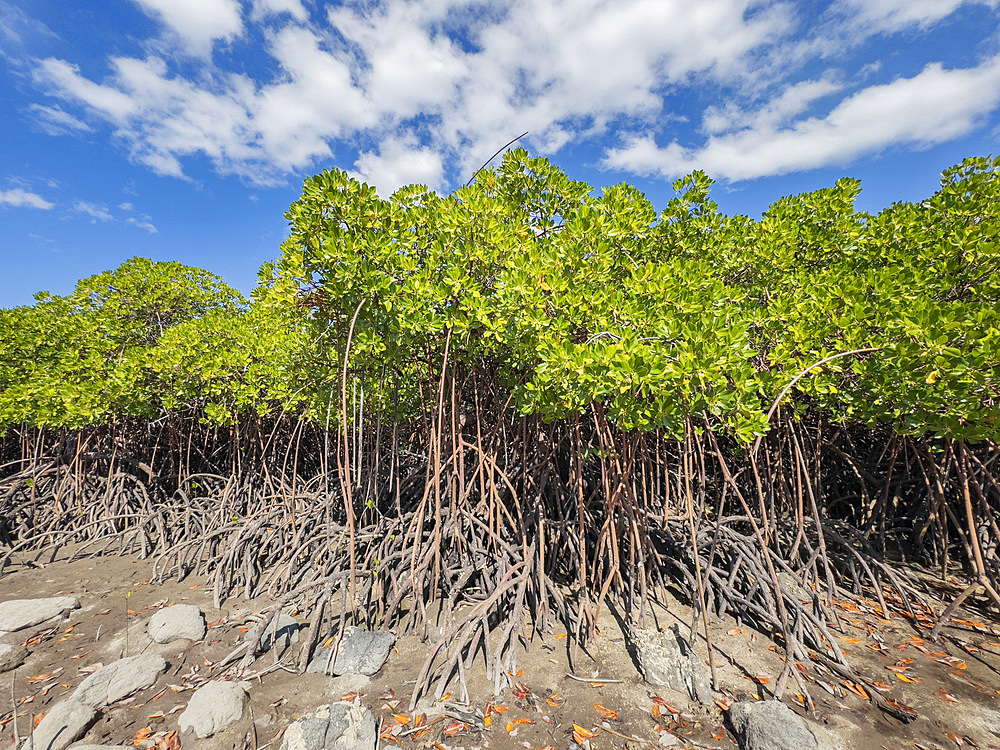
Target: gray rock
(17, 614)
(121, 678)
(287, 634)
(361, 652)
(11, 656)
(769, 725)
(213, 707)
(339, 726)
(65, 721)
(667, 659)
(178, 621)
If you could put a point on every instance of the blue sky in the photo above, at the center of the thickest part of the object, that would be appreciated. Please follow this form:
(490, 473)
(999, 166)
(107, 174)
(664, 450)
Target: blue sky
(182, 129)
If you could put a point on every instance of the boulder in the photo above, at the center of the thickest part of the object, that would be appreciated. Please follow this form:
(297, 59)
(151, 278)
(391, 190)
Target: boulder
(361, 652)
(212, 708)
(65, 722)
(286, 633)
(339, 726)
(11, 656)
(769, 725)
(176, 622)
(667, 659)
(17, 614)
(119, 679)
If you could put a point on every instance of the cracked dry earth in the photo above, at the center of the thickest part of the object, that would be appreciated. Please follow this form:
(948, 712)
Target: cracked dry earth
(559, 697)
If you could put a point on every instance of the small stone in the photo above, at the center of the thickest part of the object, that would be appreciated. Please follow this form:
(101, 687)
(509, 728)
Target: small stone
(17, 614)
(178, 621)
(770, 725)
(121, 678)
(65, 722)
(361, 652)
(212, 708)
(339, 726)
(287, 634)
(667, 659)
(11, 656)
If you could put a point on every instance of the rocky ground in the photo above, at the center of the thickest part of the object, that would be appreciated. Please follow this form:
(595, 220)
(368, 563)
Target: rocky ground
(125, 662)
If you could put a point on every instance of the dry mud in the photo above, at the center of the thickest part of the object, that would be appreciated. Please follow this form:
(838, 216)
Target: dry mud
(952, 684)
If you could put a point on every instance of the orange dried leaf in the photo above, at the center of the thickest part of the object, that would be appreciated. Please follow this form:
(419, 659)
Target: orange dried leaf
(585, 733)
(455, 727)
(856, 689)
(606, 712)
(956, 738)
(401, 718)
(499, 709)
(560, 635)
(349, 697)
(947, 697)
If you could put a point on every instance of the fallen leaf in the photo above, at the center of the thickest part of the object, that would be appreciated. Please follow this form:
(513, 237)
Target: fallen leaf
(856, 689)
(947, 697)
(401, 718)
(606, 712)
(663, 704)
(956, 738)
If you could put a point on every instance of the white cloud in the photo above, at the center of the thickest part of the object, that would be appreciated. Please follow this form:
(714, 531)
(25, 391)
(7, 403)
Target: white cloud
(425, 90)
(126, 206)
(197, 23)
(18, 197)
(264, 8)
(96, 211)
(932, 107)
(55, 121)
(461, 76)
(147, 225)
(399, 163)
(896, 15)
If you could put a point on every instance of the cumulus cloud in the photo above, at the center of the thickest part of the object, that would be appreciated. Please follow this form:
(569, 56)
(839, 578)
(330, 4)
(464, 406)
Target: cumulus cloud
(264, 8)
(398, 163)
(932, 107)
(196, 24)
(19, 197)
(425, 90)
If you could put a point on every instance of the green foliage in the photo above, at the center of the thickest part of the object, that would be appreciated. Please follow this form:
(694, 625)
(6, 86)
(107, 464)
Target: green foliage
(89, 357)
(557, 297)
(572, 299)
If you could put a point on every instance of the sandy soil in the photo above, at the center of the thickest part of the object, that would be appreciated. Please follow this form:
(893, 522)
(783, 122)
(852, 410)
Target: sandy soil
(953, 684)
